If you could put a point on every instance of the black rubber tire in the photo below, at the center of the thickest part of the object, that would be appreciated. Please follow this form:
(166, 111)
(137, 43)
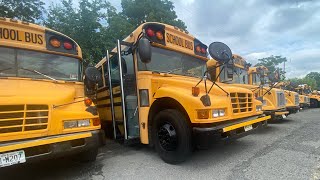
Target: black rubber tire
(88, 155)
(183, 136)
(314, 103)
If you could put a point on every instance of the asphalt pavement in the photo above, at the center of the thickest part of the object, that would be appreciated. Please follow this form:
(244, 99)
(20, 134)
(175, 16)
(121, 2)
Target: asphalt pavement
(286, 149)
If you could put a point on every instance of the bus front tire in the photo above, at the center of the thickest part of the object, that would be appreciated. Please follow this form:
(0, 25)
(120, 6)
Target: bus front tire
(313, 103)
(172, 136)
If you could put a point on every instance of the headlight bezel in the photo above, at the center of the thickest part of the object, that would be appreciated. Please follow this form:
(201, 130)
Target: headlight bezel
(76, 123)
(216, 113)
(258, 108)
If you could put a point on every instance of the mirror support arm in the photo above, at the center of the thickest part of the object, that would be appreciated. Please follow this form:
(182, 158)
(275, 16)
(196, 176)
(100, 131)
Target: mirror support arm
(214, 82)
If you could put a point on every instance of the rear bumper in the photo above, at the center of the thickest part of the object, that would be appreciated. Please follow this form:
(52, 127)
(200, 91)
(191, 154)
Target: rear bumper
(55, 146)
(235, 130)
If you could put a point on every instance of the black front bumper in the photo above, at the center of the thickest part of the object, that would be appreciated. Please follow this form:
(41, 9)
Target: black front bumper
(64, 148)
(275, 113)
(293, 109)
(204, 136)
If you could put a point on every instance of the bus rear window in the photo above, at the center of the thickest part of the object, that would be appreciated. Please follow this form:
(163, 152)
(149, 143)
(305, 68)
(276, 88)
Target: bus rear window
(24, 63)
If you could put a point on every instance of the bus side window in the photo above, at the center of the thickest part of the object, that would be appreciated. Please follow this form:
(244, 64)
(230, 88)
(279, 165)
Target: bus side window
(100, 85)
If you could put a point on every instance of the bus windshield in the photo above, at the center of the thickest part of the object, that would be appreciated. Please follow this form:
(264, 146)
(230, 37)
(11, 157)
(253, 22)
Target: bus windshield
(240, 76)
(24, 63)
(172, 62)
(256, 79)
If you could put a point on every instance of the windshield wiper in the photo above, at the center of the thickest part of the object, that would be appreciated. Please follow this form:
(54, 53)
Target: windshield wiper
(37, 72)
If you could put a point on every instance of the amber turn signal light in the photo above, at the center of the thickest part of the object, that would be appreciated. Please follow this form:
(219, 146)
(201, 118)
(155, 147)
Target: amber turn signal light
(87, 102)
(96, 121)
(159, 35)
(195, 91)
(55, 42)
(203, 114)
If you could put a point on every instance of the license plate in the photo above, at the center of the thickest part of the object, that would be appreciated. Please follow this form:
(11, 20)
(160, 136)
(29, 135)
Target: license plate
(11, 158)
(247, 128)
(284, 116)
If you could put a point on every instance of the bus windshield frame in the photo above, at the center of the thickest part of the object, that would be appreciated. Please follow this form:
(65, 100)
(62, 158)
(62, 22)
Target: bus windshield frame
(173, 62)
(240, 75)
(15, 62)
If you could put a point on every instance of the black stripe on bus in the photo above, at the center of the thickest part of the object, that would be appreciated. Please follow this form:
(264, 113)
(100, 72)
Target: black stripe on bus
(102, 89)
(108, 97)
(108, 105)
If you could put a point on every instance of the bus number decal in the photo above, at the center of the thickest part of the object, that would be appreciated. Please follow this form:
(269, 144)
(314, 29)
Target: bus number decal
(16, 35)
(176, 40)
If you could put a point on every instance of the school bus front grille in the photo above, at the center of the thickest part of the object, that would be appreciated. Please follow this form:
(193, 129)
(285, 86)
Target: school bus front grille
(23, 118)
(241, 102)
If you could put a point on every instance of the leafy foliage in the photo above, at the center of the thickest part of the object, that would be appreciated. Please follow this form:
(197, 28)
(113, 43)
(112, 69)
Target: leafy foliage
(26, 10)
(312, 79)
(84, 24)
(272, 62)
(96, 24)
(139, 11)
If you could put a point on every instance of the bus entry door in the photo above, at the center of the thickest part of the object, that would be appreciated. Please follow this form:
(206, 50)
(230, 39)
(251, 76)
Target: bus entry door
(123, 93)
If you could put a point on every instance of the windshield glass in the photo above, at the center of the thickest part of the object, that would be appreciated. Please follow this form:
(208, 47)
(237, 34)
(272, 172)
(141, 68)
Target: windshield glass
(23, 63)
(256, 79)
(174, 63)
(240, 76)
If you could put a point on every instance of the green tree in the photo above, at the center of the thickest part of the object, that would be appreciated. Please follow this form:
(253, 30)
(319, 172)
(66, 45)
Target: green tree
(306, 80)
(26, 10)
(316, 77)
(272, 62)
(139, 11)
(84, 24)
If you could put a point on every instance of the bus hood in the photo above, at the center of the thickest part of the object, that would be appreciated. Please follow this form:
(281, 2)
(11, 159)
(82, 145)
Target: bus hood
(26, 91)
(187, 83)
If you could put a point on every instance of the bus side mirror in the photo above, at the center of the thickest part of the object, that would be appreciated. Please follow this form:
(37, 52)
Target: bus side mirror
(92, 78)
(145, 50)
(220, 52)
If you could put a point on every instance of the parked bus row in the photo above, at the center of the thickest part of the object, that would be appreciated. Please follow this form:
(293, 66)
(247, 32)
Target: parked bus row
(158, 87)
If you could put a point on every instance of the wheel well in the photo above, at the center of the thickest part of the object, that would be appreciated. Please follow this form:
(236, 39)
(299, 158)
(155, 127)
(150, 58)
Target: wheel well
(162, 104)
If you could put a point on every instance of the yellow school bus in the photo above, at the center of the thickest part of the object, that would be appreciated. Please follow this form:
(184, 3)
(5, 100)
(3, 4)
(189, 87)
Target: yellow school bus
(43, 111)
(292, 98)
(155, 91)
(311, 98)
(242, 75)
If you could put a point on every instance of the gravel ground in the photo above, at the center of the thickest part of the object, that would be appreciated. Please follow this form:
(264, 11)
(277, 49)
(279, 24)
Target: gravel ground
(287, 149)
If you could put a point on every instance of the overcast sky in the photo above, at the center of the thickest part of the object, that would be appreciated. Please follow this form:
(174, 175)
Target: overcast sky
(258, 28)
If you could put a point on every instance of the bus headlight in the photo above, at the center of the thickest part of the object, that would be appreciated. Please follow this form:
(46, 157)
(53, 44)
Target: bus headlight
(84, 123)
(76, 123)
(258, 108)
(218, 113)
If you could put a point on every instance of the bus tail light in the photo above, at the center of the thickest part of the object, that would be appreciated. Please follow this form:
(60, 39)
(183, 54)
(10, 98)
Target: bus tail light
(55, 42)
(150, 32)
(195, 91)
(87, 101)
(96, 121)
(67, 45)
(159, 35)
